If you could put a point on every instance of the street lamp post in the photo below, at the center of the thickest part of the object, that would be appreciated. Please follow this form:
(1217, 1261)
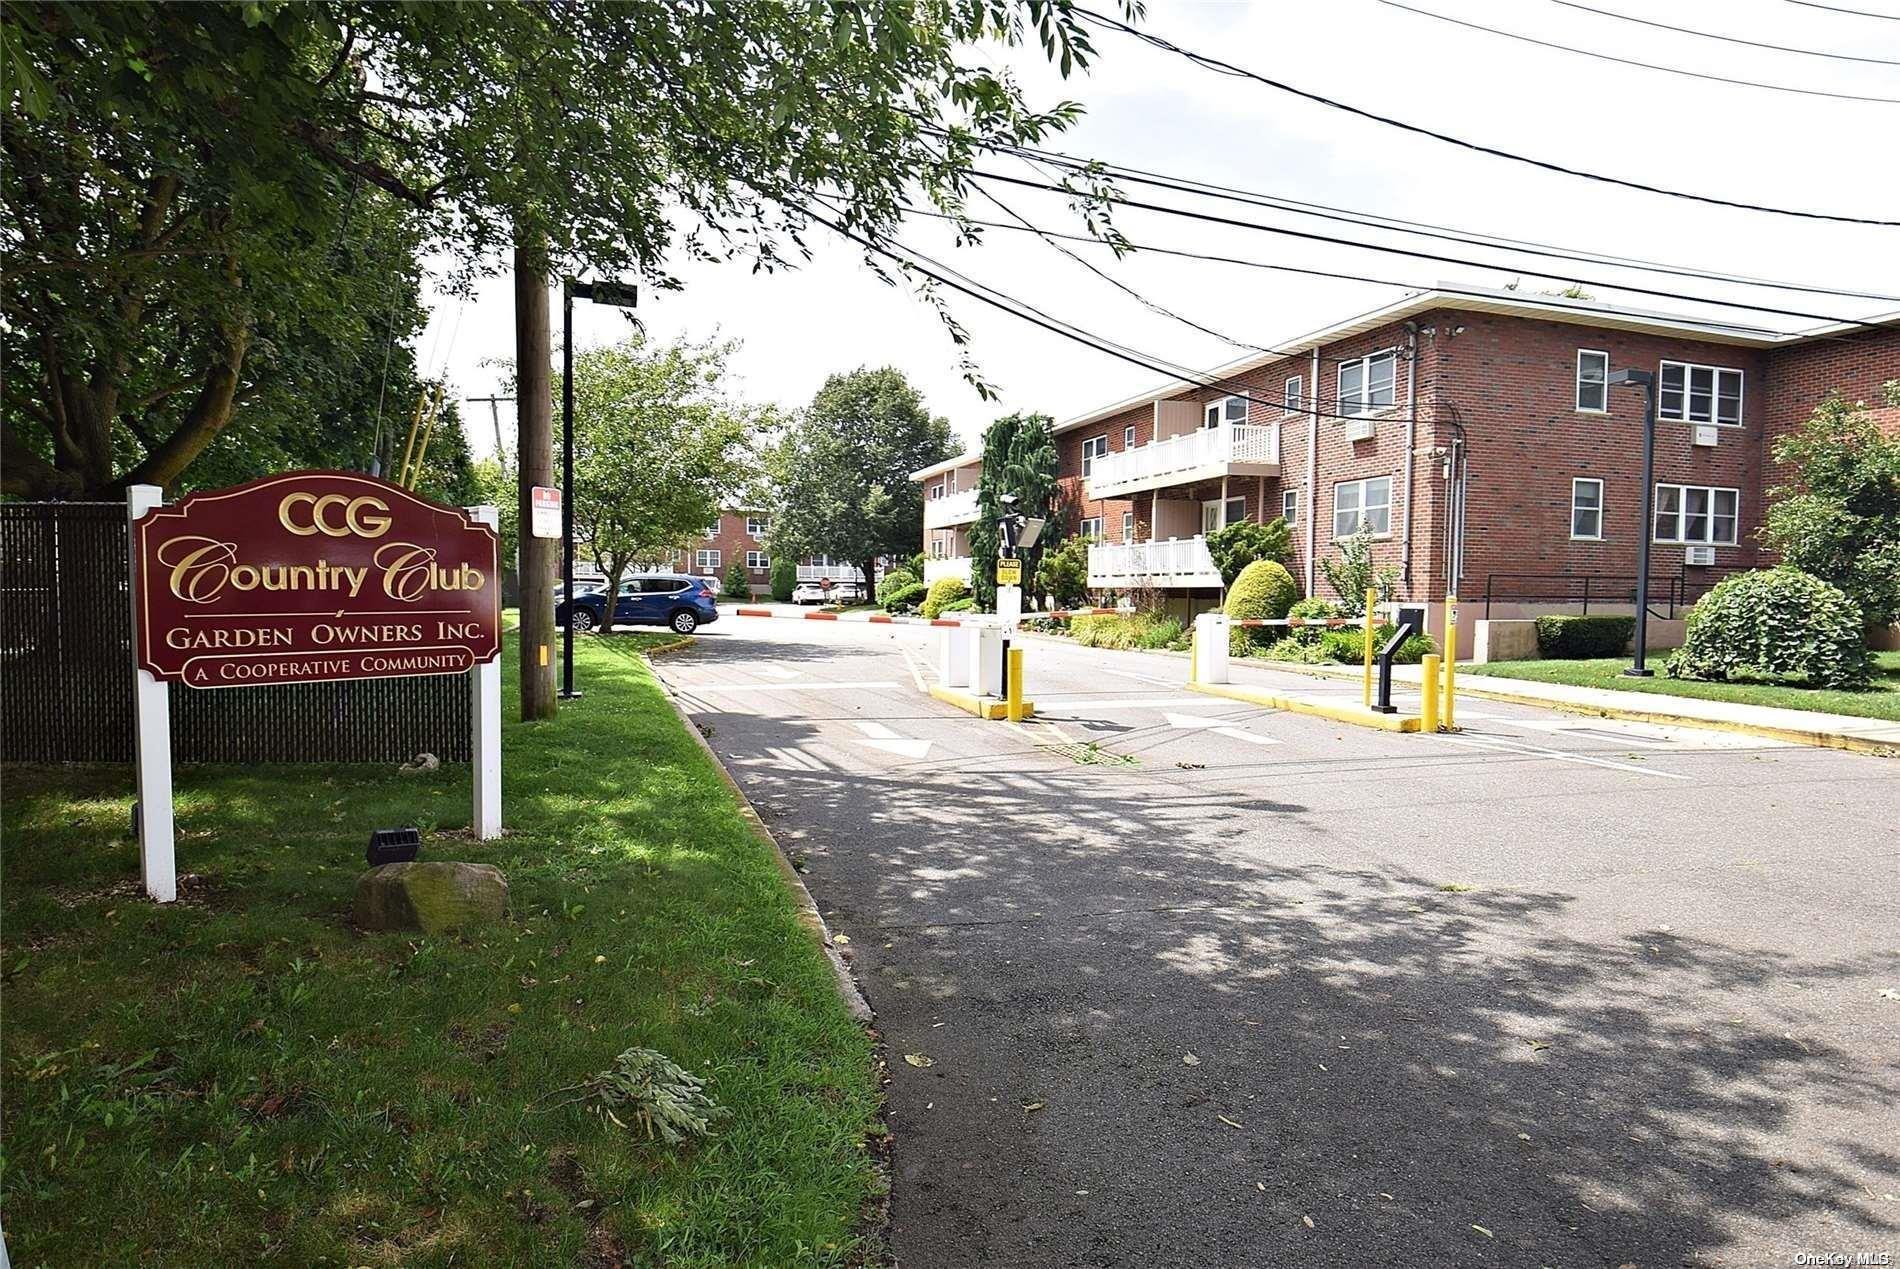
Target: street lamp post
(1647, 382)
(620, 295)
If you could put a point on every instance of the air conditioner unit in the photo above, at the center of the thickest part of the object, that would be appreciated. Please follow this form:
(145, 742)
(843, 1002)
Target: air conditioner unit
(1706, 434)
(1361, 429)
(1699, 556)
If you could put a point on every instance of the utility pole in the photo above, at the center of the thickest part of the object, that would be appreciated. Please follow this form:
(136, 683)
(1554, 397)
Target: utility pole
(534, 422)
(494, 415)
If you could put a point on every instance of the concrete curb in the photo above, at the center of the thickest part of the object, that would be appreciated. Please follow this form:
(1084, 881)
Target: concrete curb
(1810, 737)
(1355, 714)
(985, 707)
(808, 913)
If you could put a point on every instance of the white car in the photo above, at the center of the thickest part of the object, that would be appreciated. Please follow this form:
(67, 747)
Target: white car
(840, 593)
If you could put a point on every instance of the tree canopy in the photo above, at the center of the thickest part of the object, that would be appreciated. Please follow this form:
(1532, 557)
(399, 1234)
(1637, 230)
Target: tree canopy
(1019, 458)
(197, 196)
(1838, 517)
(661, 447)
(841, 475)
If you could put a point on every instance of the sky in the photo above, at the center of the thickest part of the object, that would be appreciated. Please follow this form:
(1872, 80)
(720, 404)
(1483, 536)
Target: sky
(1152, 109)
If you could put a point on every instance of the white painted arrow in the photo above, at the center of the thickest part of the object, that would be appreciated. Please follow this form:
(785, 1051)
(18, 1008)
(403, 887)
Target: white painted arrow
(1219, 728)
(878, 736)
(778, 672)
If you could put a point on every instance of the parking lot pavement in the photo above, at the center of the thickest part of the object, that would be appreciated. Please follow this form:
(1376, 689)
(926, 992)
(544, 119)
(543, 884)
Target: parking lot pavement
(1188, 974)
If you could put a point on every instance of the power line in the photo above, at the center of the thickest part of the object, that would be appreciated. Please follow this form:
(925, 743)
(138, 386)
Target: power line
(1242, 261)
(1726, 39)
(1227, 68)
(960, 282)
(1424, 229)
(1630, 61)
(1023, 223)
(1211, 218)
(1835, 8)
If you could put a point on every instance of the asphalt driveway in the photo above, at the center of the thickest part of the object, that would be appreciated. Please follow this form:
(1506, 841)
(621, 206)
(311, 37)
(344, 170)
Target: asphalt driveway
(1179, 981)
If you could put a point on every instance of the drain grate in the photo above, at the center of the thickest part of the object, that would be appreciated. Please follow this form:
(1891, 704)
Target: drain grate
(1090, 754)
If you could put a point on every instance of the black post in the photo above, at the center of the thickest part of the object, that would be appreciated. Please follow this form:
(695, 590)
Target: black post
(567, 493)
(1646, 528)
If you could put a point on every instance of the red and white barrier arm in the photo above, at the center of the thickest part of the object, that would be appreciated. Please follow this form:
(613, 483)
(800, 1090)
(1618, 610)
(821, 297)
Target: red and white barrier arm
(875, 619)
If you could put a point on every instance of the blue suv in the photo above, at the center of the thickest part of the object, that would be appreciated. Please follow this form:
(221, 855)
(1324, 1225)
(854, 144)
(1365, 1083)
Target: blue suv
(674, 600)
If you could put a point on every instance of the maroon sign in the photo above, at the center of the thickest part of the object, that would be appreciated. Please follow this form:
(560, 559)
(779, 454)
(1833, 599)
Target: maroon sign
(313, 576)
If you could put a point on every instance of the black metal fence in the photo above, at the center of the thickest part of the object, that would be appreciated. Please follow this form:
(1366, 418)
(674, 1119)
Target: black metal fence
(1668, 596)
(66, 669)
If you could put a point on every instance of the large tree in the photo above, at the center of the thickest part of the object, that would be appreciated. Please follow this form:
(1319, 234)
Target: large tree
(1838, 515)
(841, 475)
(1019, 459)
(179, 168)
(661, 447)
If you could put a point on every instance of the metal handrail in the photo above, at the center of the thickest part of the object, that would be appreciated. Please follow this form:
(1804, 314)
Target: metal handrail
(1585, 588)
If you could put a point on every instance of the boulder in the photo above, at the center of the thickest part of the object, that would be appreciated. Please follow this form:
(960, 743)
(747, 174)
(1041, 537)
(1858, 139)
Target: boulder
(431, 896)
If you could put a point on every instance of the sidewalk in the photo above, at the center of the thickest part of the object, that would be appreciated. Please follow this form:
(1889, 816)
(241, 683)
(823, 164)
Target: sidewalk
(1798, 726)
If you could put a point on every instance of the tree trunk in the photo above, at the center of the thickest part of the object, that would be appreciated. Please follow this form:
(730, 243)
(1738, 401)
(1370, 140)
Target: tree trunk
(616, 565)
(534, 411)
(869, 591)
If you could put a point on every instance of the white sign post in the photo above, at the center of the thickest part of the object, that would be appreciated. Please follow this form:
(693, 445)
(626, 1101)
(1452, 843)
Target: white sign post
(485, 715)
(151, 713)
(152, 733)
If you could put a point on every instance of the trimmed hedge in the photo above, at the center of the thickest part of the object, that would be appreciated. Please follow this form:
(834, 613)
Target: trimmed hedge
(904, 598)
(1348, 645)
(943, 592)
(1583, 638)
(1775, 621)
(1263, 589)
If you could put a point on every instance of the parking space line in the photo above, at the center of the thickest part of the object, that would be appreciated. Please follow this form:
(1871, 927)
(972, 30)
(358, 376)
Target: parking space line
(1496, 744)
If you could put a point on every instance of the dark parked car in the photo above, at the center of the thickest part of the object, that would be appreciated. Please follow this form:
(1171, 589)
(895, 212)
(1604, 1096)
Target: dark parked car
(675, 600)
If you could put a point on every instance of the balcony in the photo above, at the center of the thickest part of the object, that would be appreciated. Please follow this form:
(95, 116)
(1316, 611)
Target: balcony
(1177, 562)
(957, 567)
(836, 572)
(1232, 449)
(955, 508)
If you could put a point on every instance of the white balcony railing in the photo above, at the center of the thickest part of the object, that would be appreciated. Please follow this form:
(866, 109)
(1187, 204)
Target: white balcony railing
(836, 572)
(956, 566)
(1196, 455)
(1178, 562)
(955, 508)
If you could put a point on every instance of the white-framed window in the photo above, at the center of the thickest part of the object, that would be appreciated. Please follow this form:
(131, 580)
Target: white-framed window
(1586, 509)
(1290, 506)
(757, 561)
(1697, 515)
(712, 530)
(1225, 410)
(708, 560)
(1091, 527)
(1295, 395)
(1593, 381)
(1093, 448)
(1366, 503)
(1699, 394)
(934, 491)
(1128, 437)
(755, 526)
(1368, 384)
(1128, 526)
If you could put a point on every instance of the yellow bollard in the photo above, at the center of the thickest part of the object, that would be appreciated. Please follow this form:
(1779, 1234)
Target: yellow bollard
(1194, 651)
(1015, 698)
(1372, 598)
(1428, 700)
(1451, 662)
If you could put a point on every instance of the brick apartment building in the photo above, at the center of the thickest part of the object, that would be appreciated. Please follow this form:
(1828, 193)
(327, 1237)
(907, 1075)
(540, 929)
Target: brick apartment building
(1356, 423)
(740, 535)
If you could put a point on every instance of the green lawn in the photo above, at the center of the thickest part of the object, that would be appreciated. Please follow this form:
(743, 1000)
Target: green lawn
(242, 1077)
(1881, 701)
